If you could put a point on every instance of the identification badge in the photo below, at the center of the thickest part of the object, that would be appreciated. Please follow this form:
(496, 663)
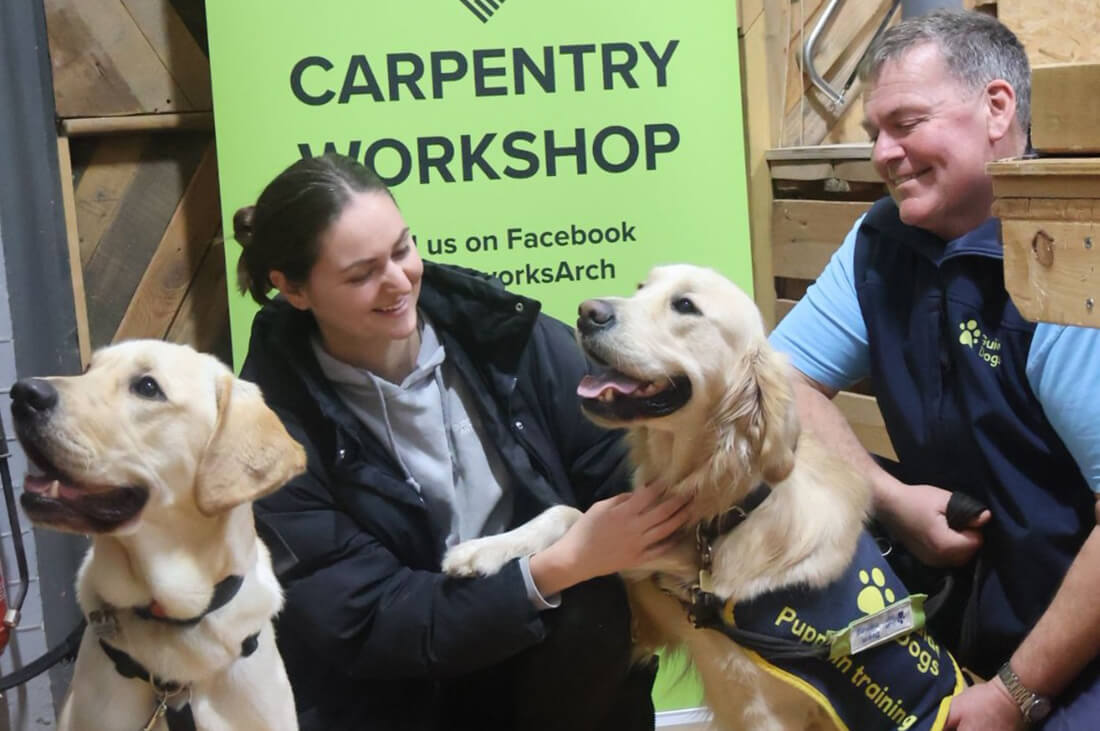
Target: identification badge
(900, 618)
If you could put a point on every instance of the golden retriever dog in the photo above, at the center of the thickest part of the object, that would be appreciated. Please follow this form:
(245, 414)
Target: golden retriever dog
(156, 452)
(762, 586)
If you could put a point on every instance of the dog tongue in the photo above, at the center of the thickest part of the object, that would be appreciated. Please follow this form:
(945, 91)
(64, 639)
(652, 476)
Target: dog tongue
(593, 386)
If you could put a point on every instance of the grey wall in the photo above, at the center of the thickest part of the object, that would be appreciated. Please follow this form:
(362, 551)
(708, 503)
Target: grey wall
(37, 332)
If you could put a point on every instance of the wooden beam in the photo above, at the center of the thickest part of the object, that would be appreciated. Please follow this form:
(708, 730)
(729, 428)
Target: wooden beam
(76, 271)
(805, 233)
(863, 415)
(177, 257)
(1068, 177)
(758, 139)
(202, 320)
(129, 124)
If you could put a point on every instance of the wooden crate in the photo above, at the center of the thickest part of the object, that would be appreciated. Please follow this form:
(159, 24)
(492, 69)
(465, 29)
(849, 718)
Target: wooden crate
(1050, 219)
(819, 192)
(1065, 108)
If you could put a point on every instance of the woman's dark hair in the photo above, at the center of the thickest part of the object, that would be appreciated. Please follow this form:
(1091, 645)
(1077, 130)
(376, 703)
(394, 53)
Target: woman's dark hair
(281, 231)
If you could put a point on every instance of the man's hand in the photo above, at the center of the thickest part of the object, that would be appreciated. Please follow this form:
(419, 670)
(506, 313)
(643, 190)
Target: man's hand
(985, 707)
(917, 515)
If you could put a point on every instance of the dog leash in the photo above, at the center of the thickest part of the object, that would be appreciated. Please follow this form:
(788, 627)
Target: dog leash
(66, 650)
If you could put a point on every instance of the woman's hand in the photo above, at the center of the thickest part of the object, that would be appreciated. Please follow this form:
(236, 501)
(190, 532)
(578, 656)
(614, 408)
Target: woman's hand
(616, 534)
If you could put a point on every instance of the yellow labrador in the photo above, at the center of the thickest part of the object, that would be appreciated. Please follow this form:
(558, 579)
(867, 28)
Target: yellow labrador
(157, 451)
(762, 588)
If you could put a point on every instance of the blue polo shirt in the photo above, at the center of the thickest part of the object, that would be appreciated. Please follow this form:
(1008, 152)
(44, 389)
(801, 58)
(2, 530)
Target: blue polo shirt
(975, 398)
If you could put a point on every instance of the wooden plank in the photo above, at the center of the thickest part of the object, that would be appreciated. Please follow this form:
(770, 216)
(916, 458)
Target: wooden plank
(1045, 209)
(109, 173)
(202, 320)
(118, 263)
(805, 234)
(854, 171)
(103, 64)
(829, 153)
(175, 47)
(758, 139)
(1046, 178)
(76, 272)
(129, 124)
(866, 421)
(748, 12)
(177, 256)
(782, 307)
(1056, 31)
(1051, 269)
(1065, 107)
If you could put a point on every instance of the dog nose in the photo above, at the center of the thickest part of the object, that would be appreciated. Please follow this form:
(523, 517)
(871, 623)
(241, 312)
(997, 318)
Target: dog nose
(32, 395)
(594, 315)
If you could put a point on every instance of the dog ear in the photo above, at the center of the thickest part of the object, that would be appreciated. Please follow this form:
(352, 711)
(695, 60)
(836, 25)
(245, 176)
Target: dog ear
(250, 454)
(775, 427)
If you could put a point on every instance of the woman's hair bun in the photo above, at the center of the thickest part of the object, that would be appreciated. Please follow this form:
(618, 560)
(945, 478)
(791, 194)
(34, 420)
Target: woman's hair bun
(242, 224)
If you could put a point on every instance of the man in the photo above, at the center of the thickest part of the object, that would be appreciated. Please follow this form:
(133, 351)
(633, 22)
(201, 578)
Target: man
(975, 398)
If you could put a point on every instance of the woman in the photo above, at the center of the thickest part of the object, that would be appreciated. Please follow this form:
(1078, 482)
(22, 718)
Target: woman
(434, 407)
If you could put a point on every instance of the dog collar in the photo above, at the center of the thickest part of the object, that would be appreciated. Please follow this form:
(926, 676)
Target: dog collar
(224, 591)
(708, 531)
(735, 516)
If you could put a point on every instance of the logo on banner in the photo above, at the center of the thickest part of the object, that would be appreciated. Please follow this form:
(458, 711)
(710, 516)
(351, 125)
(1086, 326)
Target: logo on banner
(482, 9)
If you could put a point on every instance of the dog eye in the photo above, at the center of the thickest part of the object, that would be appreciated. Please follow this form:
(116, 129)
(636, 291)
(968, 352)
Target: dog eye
(147, 387)
(685, 306)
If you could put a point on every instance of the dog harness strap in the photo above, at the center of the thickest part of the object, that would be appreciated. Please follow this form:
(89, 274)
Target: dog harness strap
(906, 681)
(128, 667)
(224, 591)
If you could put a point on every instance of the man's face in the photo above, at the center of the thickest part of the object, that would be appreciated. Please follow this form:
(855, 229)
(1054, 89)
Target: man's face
(932, 140)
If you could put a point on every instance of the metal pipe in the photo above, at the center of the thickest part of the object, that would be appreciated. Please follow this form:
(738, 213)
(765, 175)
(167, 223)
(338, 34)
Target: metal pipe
(913, 8)
(808, 55)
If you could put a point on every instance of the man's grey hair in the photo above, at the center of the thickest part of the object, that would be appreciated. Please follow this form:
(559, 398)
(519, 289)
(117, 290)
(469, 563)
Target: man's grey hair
(976, 48)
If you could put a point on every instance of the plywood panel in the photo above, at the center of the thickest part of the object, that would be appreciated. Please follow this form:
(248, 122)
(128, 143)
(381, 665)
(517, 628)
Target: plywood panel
(1054, 31)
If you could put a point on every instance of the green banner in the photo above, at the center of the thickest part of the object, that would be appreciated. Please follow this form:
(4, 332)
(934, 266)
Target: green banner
(565, 146)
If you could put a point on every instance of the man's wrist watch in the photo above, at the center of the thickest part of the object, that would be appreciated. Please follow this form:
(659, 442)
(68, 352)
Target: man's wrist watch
(1035, 707)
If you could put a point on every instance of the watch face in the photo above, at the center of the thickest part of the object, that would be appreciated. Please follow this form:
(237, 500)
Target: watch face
(1038, 710)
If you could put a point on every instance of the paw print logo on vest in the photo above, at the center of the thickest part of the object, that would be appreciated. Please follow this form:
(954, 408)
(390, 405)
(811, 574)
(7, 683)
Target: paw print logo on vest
(970, 334)
(875, 595)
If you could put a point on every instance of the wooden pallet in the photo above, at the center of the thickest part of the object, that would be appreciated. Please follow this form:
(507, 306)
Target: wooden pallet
(139, 175)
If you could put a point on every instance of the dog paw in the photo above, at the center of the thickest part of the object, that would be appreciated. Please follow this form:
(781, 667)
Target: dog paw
(479, 557)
